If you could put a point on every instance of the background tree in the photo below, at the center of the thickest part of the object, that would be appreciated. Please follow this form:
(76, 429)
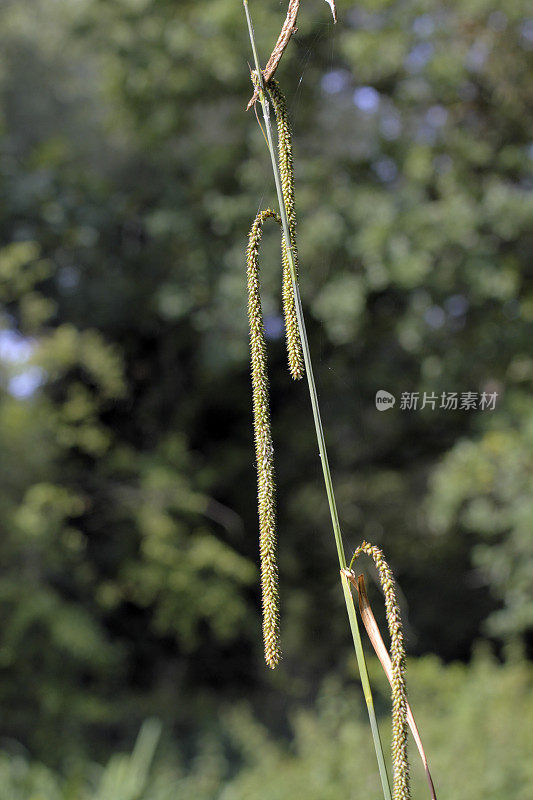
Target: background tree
(130, 176)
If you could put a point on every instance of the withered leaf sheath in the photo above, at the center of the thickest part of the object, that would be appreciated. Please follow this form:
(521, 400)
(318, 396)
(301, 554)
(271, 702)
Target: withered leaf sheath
(401, 782)
(289, 27)
(262, 433)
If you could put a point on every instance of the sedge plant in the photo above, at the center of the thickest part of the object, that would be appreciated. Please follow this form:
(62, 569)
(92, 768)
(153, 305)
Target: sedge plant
(268, 94)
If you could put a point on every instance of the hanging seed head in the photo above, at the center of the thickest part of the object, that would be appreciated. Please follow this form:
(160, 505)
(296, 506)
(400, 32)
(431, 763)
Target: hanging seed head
(286, 170)
(400, 761)
(264, 451)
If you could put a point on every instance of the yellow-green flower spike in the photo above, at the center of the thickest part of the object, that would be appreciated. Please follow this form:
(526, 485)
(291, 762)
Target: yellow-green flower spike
(264, 452)
(286, 169)
(400, 762)
(263, 438)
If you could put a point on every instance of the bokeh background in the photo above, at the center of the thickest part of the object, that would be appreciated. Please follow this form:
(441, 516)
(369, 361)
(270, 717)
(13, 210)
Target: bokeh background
(128, 550)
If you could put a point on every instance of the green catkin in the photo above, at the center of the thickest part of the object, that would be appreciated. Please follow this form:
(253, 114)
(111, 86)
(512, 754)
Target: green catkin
(286, 170)
(262, 432)
(264, 451)
(401, 783)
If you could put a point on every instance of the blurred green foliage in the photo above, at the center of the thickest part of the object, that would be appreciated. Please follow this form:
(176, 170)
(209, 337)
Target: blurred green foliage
(329, 753)
(130, 175)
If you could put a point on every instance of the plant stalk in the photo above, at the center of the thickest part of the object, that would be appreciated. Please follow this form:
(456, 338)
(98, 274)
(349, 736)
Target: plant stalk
(318, 426)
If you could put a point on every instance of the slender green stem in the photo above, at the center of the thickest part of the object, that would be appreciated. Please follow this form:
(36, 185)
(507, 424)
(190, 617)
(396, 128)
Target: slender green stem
(365, 683)
(318, 426)
(298, 304)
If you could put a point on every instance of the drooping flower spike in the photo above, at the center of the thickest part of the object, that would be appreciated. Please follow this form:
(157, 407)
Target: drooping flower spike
(400, 762)
(262, 430)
